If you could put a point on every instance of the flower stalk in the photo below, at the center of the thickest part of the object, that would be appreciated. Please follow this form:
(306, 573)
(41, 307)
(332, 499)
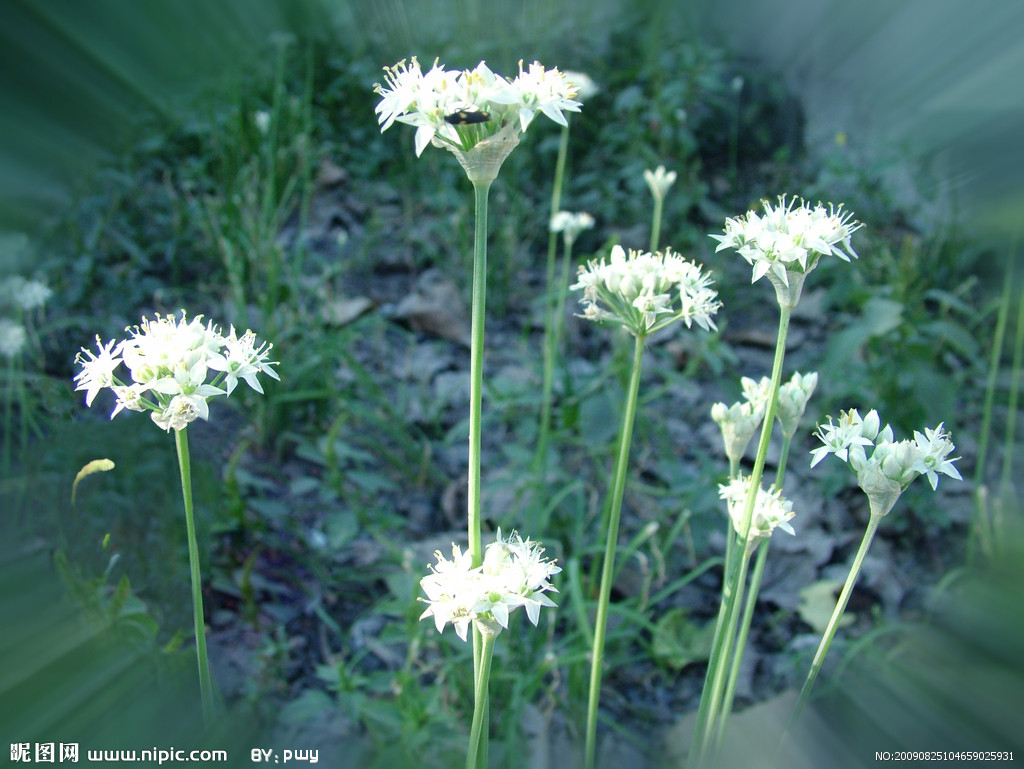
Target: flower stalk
(712, 695)
(608, 567)
(833, 622)
(198, 621)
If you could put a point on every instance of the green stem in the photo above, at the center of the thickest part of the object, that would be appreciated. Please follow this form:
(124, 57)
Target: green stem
(205, 681)
(554, 304)
(1011, 405)
(8, 417)
(608, 569)
(476, 367)
(981, 528)
(656, 223)
(833, 623)
(476, 377)
(749, 603)
(780, 474)
(476, 756)
(735, 575)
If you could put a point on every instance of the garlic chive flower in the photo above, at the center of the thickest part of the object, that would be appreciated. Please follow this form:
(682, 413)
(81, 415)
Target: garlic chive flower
(571, 225)
(645, 292)
(12, 338)
(792, 402)
(169, 361)
(583, 83)
(659, 181)
(885, 474)
(24, 293)
(738, 423)
(514, 573)
(432, 102)
(786, 241)
(757, 393)
(771, 510)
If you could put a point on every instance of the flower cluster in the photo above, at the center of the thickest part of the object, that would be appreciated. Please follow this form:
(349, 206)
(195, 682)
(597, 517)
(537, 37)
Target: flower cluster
(169, 361)
(24, 293)
(659, 181)
(771, 509)
(892, 465)
(737, 423)
(645, 292)
(787, 240)
(571, 224)
(459, 109)
(12, 338)
(513, 574)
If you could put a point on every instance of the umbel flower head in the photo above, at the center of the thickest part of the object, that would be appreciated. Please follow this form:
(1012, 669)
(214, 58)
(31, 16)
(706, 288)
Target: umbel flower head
(645, 292)
(476, 114)
(24, 293)
(771, 510)
(514, 573)
(892, 465)
(169, 361)
(786, 241)
(571, 224)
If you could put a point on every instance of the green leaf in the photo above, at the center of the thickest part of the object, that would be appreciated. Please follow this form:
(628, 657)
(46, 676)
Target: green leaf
(96, 466)
(818, 601)
(679, 642)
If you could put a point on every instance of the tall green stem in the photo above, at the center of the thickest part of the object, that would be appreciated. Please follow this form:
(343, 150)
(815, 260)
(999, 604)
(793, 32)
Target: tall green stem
(981, 529)
(476, 379)
(553, 308)
(735, 576)
(476, 367)
(656, 222)
(205, 681)
(749, 603)
(476, 756)
(608, 569)
(833, 623)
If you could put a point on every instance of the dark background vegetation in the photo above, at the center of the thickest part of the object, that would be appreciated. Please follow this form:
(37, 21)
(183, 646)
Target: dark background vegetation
(131, 158)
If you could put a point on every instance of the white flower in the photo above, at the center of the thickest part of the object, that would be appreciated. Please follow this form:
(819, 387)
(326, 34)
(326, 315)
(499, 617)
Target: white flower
(169, 361)
(23, 293)
(513, 574)
(583, 83)
(787, 240)
(738, 423)
(934, 447)
(892, 465)
(792, 401)
(850, 432)
(645, 292)
(659, 181)
(97, 370)
(771, 509)
(461, 109)
(451, 590)
(571, 225)
(242, 359)
(261, 119)
(757, 393)
(12, 338)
